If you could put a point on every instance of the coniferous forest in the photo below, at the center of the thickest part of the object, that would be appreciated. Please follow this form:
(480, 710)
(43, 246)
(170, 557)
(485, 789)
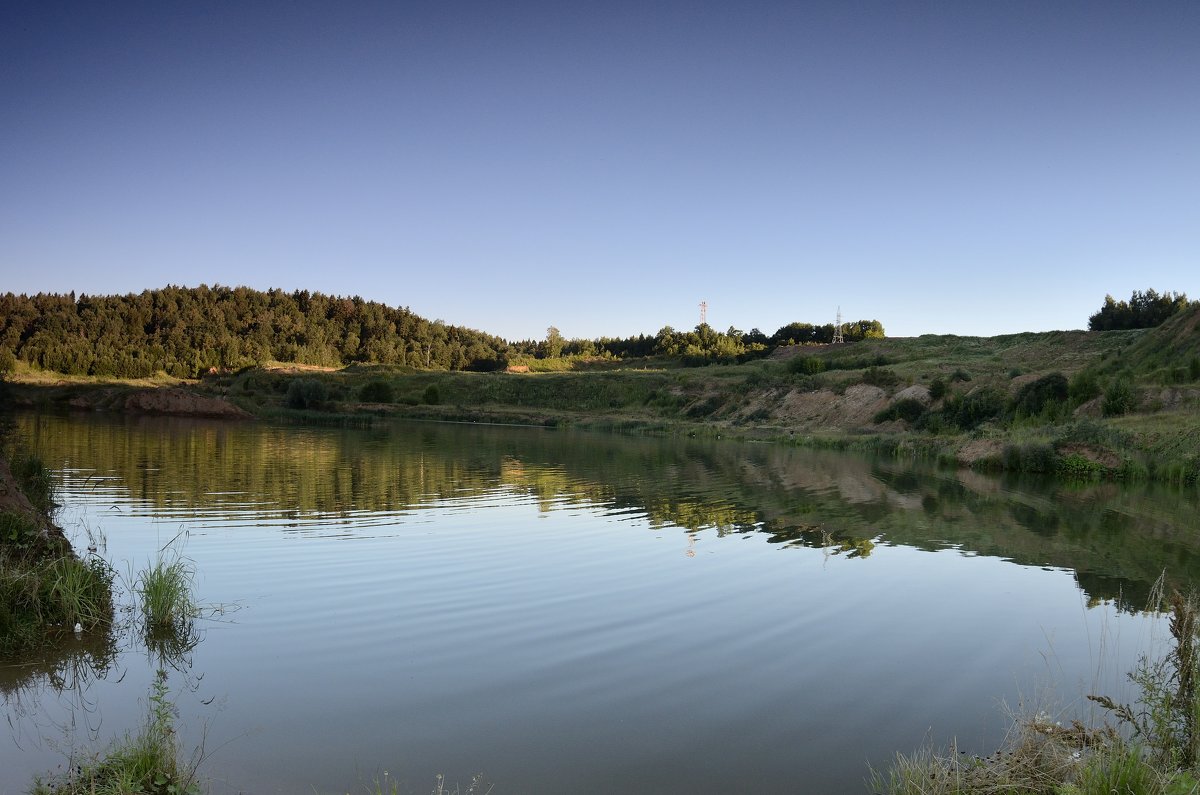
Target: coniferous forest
(185, 332)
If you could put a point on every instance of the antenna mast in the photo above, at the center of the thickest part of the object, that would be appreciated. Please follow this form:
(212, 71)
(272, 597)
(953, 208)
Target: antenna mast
(837, 329)
(703, 312)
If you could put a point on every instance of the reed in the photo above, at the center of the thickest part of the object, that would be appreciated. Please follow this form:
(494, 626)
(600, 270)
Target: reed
(165, 592)
(148, 761)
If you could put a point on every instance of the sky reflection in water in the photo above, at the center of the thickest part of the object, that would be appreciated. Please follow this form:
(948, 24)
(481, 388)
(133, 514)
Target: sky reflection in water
(593, 613)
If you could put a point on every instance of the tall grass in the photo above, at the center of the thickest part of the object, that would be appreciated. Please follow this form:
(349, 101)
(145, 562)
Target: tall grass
(41, 597)
(165, 592)
(35, 480)
(149, 761)
(1153, 748)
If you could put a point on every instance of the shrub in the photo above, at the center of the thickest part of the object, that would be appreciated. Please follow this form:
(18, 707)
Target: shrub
(877, 376)
(431, 395)
(976, 408)
(960, 375)
(808, 365)
(938, 389)
(378, 391)
(1118, 398)
(907, 409)
(1037, 396)
(306, 393)
(1076, 466)
(1083, 387)
(1030, 457)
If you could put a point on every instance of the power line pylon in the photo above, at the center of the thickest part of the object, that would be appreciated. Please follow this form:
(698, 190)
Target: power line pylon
(703, 312)
(837, 329)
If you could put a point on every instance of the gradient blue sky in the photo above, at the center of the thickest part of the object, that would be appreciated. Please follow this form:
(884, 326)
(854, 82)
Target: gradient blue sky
(959, 167)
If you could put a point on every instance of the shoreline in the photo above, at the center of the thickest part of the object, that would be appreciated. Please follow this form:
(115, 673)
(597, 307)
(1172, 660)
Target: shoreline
(1122, 405)
(1131, 447)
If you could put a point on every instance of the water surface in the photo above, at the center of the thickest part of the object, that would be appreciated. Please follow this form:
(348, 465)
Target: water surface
(573, 612)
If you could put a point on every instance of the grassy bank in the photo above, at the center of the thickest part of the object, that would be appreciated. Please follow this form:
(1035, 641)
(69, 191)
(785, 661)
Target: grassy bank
(1076, 404)
(1112, 404)
(46, 590)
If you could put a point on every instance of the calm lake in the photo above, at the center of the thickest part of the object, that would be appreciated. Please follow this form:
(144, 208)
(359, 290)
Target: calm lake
(584, 613)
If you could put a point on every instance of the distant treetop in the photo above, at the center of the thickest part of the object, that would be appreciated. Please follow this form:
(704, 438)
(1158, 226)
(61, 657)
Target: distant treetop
(1143, 310)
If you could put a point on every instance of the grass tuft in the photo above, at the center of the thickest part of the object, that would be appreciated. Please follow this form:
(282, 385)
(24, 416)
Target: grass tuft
(165, 591)
(149, 761)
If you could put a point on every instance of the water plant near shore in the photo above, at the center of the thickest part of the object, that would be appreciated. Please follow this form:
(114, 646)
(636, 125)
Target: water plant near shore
(1153, 749)
(149, 761)
(165, 592)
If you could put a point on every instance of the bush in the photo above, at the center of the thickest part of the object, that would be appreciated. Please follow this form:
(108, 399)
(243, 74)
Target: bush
(938, 389)
(972, 410)
(960, 375)
(908, 409)
(877, 376)
(1076, 466)
(1118, 398)
(1083, 387)
(1030, 457)
(378, 391)
(306, 393)
(431, 395)
(1037, 396)
(808, 365)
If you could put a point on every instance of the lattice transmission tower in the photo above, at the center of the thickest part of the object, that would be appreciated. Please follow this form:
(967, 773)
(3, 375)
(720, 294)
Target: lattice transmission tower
(837, 329)
(703, 312)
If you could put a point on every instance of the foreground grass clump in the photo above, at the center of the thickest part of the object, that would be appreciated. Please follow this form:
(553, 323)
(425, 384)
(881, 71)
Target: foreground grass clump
(148, 762)
(1153, 749)
(165, 591)
(1039, 758)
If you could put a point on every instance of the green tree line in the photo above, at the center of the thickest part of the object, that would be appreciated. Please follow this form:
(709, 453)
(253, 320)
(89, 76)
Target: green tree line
(1142, 310)
(185, 332)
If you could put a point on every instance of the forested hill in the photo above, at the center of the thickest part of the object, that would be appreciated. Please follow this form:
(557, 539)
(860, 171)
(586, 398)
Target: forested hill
(186, 332)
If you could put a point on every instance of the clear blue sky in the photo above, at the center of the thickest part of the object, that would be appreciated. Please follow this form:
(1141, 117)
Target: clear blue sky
(958, 167)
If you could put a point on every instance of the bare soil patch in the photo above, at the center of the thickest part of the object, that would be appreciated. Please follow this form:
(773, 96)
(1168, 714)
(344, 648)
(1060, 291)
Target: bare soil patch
(181, 403)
